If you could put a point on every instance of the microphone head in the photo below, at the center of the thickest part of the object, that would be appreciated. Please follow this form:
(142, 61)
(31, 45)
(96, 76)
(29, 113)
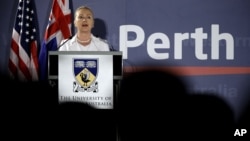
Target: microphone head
(63, 42)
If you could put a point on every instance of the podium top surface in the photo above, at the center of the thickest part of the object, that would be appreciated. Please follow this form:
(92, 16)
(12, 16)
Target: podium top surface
(85, 52)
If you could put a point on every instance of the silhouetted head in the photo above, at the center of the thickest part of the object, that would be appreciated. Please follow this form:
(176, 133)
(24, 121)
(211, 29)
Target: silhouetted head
(149, 104)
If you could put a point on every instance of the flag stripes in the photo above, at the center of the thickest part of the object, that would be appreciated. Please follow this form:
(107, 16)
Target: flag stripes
(23, 60)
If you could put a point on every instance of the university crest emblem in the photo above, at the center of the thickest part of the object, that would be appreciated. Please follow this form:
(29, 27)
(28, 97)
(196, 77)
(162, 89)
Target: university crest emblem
(85, 72)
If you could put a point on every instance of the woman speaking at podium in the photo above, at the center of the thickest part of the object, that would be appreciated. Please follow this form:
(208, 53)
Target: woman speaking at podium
(84, 40)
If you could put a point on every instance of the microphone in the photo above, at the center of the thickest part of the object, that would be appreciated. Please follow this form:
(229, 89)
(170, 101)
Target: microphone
(64, 42)
(111, 48)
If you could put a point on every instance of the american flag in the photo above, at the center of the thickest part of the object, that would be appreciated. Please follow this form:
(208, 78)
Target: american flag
(23, 61)
(58, 28)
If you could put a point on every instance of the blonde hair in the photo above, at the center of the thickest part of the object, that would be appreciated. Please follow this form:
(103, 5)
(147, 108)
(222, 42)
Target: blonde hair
(84, 7)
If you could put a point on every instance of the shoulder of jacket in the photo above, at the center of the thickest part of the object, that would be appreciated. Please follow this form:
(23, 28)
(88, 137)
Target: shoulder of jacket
(72, 40)
(103, 40)
(100, 39)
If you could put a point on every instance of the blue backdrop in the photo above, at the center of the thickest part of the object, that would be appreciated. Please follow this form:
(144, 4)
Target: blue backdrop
(179, 34)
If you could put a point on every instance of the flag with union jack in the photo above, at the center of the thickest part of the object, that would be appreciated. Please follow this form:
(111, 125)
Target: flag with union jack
(23, 60)
(58, 29)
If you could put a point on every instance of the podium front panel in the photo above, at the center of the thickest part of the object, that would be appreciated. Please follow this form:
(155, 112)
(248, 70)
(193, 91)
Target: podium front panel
(86, 77)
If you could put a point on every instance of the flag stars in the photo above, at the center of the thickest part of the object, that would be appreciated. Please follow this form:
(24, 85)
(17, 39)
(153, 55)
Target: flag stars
(27, 40)
(27, 9)
(31, 37)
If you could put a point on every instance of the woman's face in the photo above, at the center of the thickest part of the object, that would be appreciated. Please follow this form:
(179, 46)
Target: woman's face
(84, 20)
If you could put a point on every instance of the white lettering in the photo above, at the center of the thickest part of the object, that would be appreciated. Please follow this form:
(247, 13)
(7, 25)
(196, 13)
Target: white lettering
(179, 37)
(198, 37)
(125, 43)
(240, 132)
(161, 41)
(216, 37)
(152, 45)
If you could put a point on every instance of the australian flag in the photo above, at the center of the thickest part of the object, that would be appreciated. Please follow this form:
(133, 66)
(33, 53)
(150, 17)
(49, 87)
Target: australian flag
(58, 29)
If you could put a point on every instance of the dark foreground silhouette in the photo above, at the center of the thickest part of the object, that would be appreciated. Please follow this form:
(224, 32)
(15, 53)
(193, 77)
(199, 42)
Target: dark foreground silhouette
(155, 105)
(30, 111)
(152, 105)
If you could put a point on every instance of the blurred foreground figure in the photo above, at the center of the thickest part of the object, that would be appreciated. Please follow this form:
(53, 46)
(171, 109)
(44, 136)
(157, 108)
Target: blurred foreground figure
(155, 105)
